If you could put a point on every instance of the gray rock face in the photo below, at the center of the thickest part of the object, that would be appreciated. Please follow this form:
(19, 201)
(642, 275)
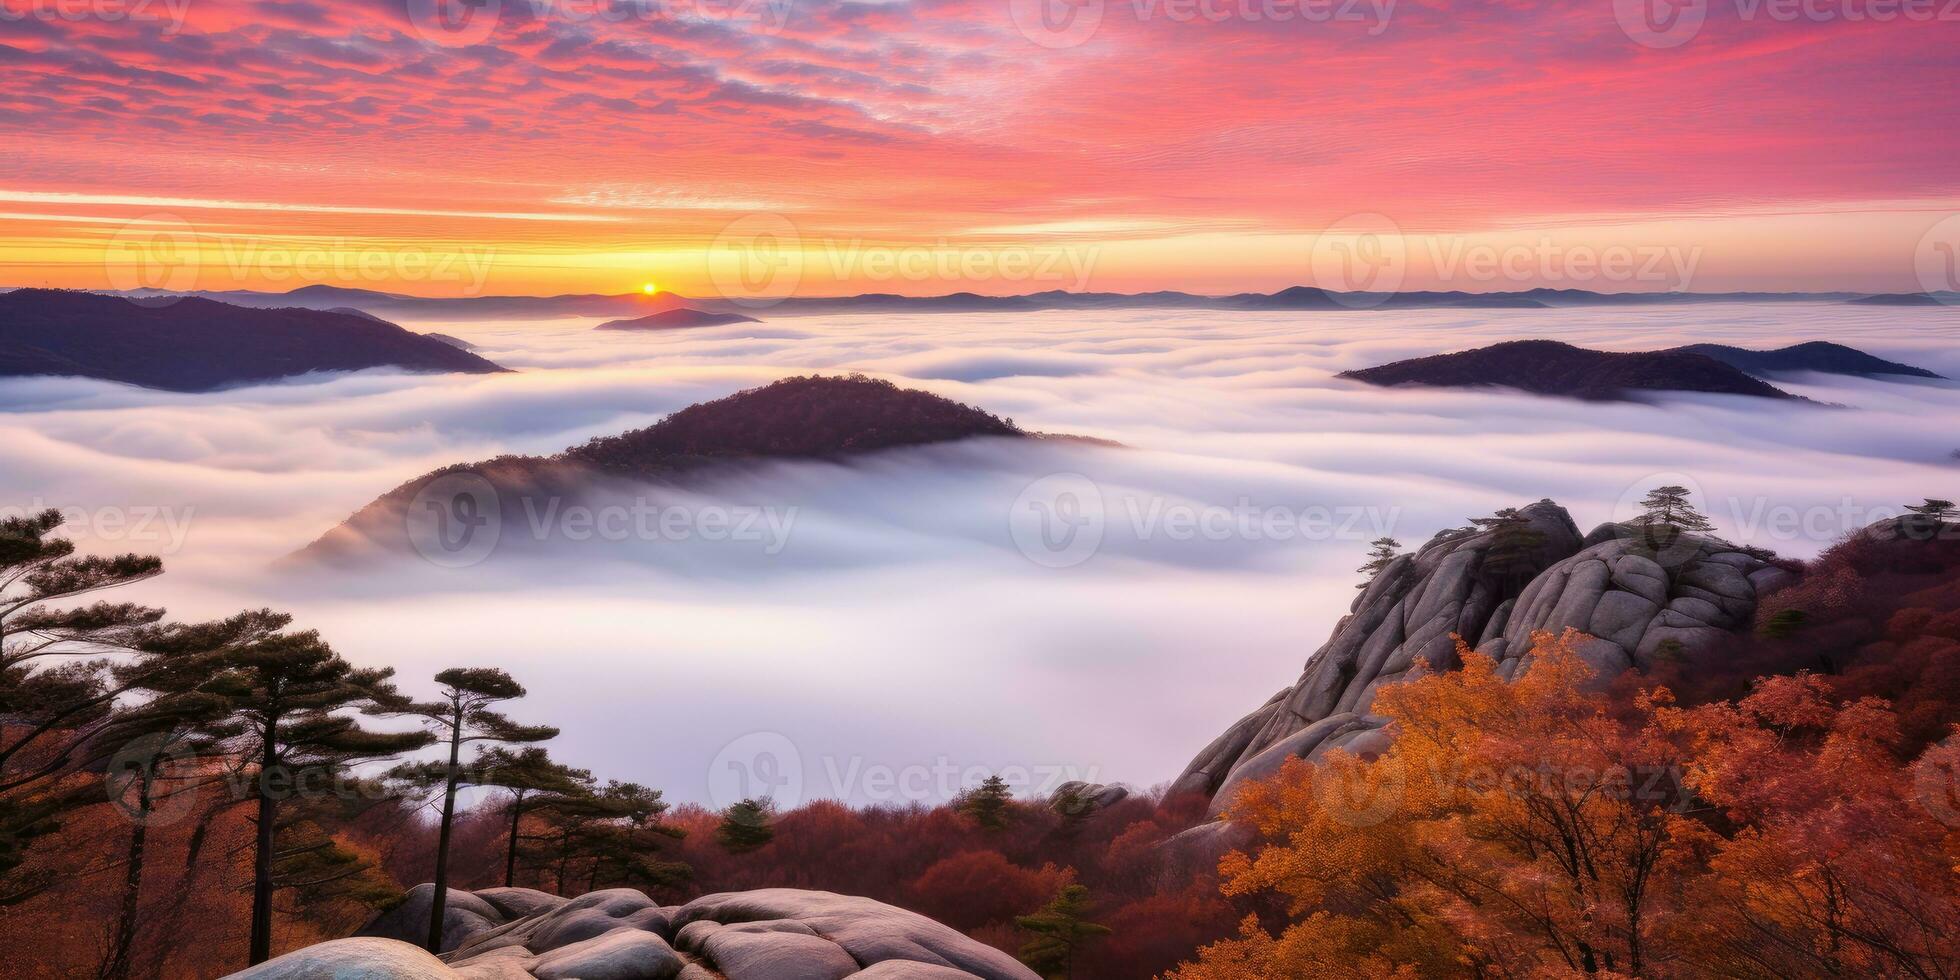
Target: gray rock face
(1637, 598)
(622, 954)
(1407, 614)
(463, 915)
(1637, 601)
(621, 934)
(361, 958)
(869, 932)
(515, 903)
(1095, 796)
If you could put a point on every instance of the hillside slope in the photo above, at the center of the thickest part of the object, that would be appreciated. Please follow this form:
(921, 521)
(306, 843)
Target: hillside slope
(195, 344)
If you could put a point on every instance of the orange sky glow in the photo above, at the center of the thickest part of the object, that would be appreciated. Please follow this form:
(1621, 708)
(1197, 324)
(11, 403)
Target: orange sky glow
(931, 146)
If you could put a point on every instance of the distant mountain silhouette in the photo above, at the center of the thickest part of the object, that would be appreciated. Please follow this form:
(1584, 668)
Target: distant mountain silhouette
(795, 418)
(1910, 299)
(1820, 356)
(1304, 298)
(1548, 367)
(194, 344)
(676, 319)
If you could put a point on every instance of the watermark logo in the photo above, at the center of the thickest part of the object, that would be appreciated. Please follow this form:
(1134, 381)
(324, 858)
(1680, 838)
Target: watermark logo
(170, 13)
(1361, 794)
(1937, 260)
(1056, 24)
(1548, 261)
(454, 521)
(155, 251)
(1361, 259)
(146, 766)
(1661, 24)
(757, 260)
(1662, 542)
(757, 766)
(1058, 520)
(160, 529)
(454, 23)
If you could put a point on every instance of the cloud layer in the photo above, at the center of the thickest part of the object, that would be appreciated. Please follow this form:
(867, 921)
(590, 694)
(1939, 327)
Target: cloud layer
(903, 616)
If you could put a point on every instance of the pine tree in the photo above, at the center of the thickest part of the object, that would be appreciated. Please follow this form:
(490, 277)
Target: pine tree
(615, 834)
(990, 804)
(1669, 507)
(1061, 928)
(289, 694)
(530, 775)
(461, 715)
(745, 826)
(1075, 808)
(1385, 550)
(56, 691)
(1935, 508)
(1512, 554)
(139, 750)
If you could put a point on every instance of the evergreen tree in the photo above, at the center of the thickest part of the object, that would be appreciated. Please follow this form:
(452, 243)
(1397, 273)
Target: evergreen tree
(530, 775)
(289, 693)
(1935, 508)
(1061, 928)
(1075, 808)
(1512, 555)
(461, 715)
(615, 834)
(1385, 550)
(139, 750)
(56, 690)
(990, 804)
(745, 826)
(1669, 507)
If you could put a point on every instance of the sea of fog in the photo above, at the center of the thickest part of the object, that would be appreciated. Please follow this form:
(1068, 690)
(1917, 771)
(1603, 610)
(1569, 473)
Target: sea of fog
(890, 630)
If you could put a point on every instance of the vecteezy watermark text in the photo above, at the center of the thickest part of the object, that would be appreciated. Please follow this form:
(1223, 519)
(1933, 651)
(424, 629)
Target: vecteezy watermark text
(759, 260)
(1060, 24)
(770, 766)
(170, 13)
(155, 528)
(1064, 519)
(167, 253)
(1663, 24)
(460, 519)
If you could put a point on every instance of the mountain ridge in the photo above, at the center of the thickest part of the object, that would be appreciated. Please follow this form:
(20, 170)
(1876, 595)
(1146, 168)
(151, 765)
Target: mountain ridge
(1551, 367)
(194, 344)
(1289, 298)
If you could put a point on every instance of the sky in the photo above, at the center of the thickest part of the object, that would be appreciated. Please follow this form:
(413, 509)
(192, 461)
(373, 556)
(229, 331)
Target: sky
(997, 146)
(899, 614)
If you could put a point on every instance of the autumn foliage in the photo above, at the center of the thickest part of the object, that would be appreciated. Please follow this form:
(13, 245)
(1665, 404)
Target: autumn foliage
(1548, 828)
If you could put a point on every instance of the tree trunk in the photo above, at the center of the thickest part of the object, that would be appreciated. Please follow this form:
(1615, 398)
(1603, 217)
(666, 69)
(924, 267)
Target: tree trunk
(510, 855)
(439, 899)
(262, 859)
(117, 965)
(564, 857)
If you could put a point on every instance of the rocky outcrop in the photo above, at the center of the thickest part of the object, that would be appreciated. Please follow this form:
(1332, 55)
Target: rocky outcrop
(1636, 598)
(1639, 596)
(463, 915)
(1077, 796)
(621, 934)
(352, 959)
(1407, 614)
